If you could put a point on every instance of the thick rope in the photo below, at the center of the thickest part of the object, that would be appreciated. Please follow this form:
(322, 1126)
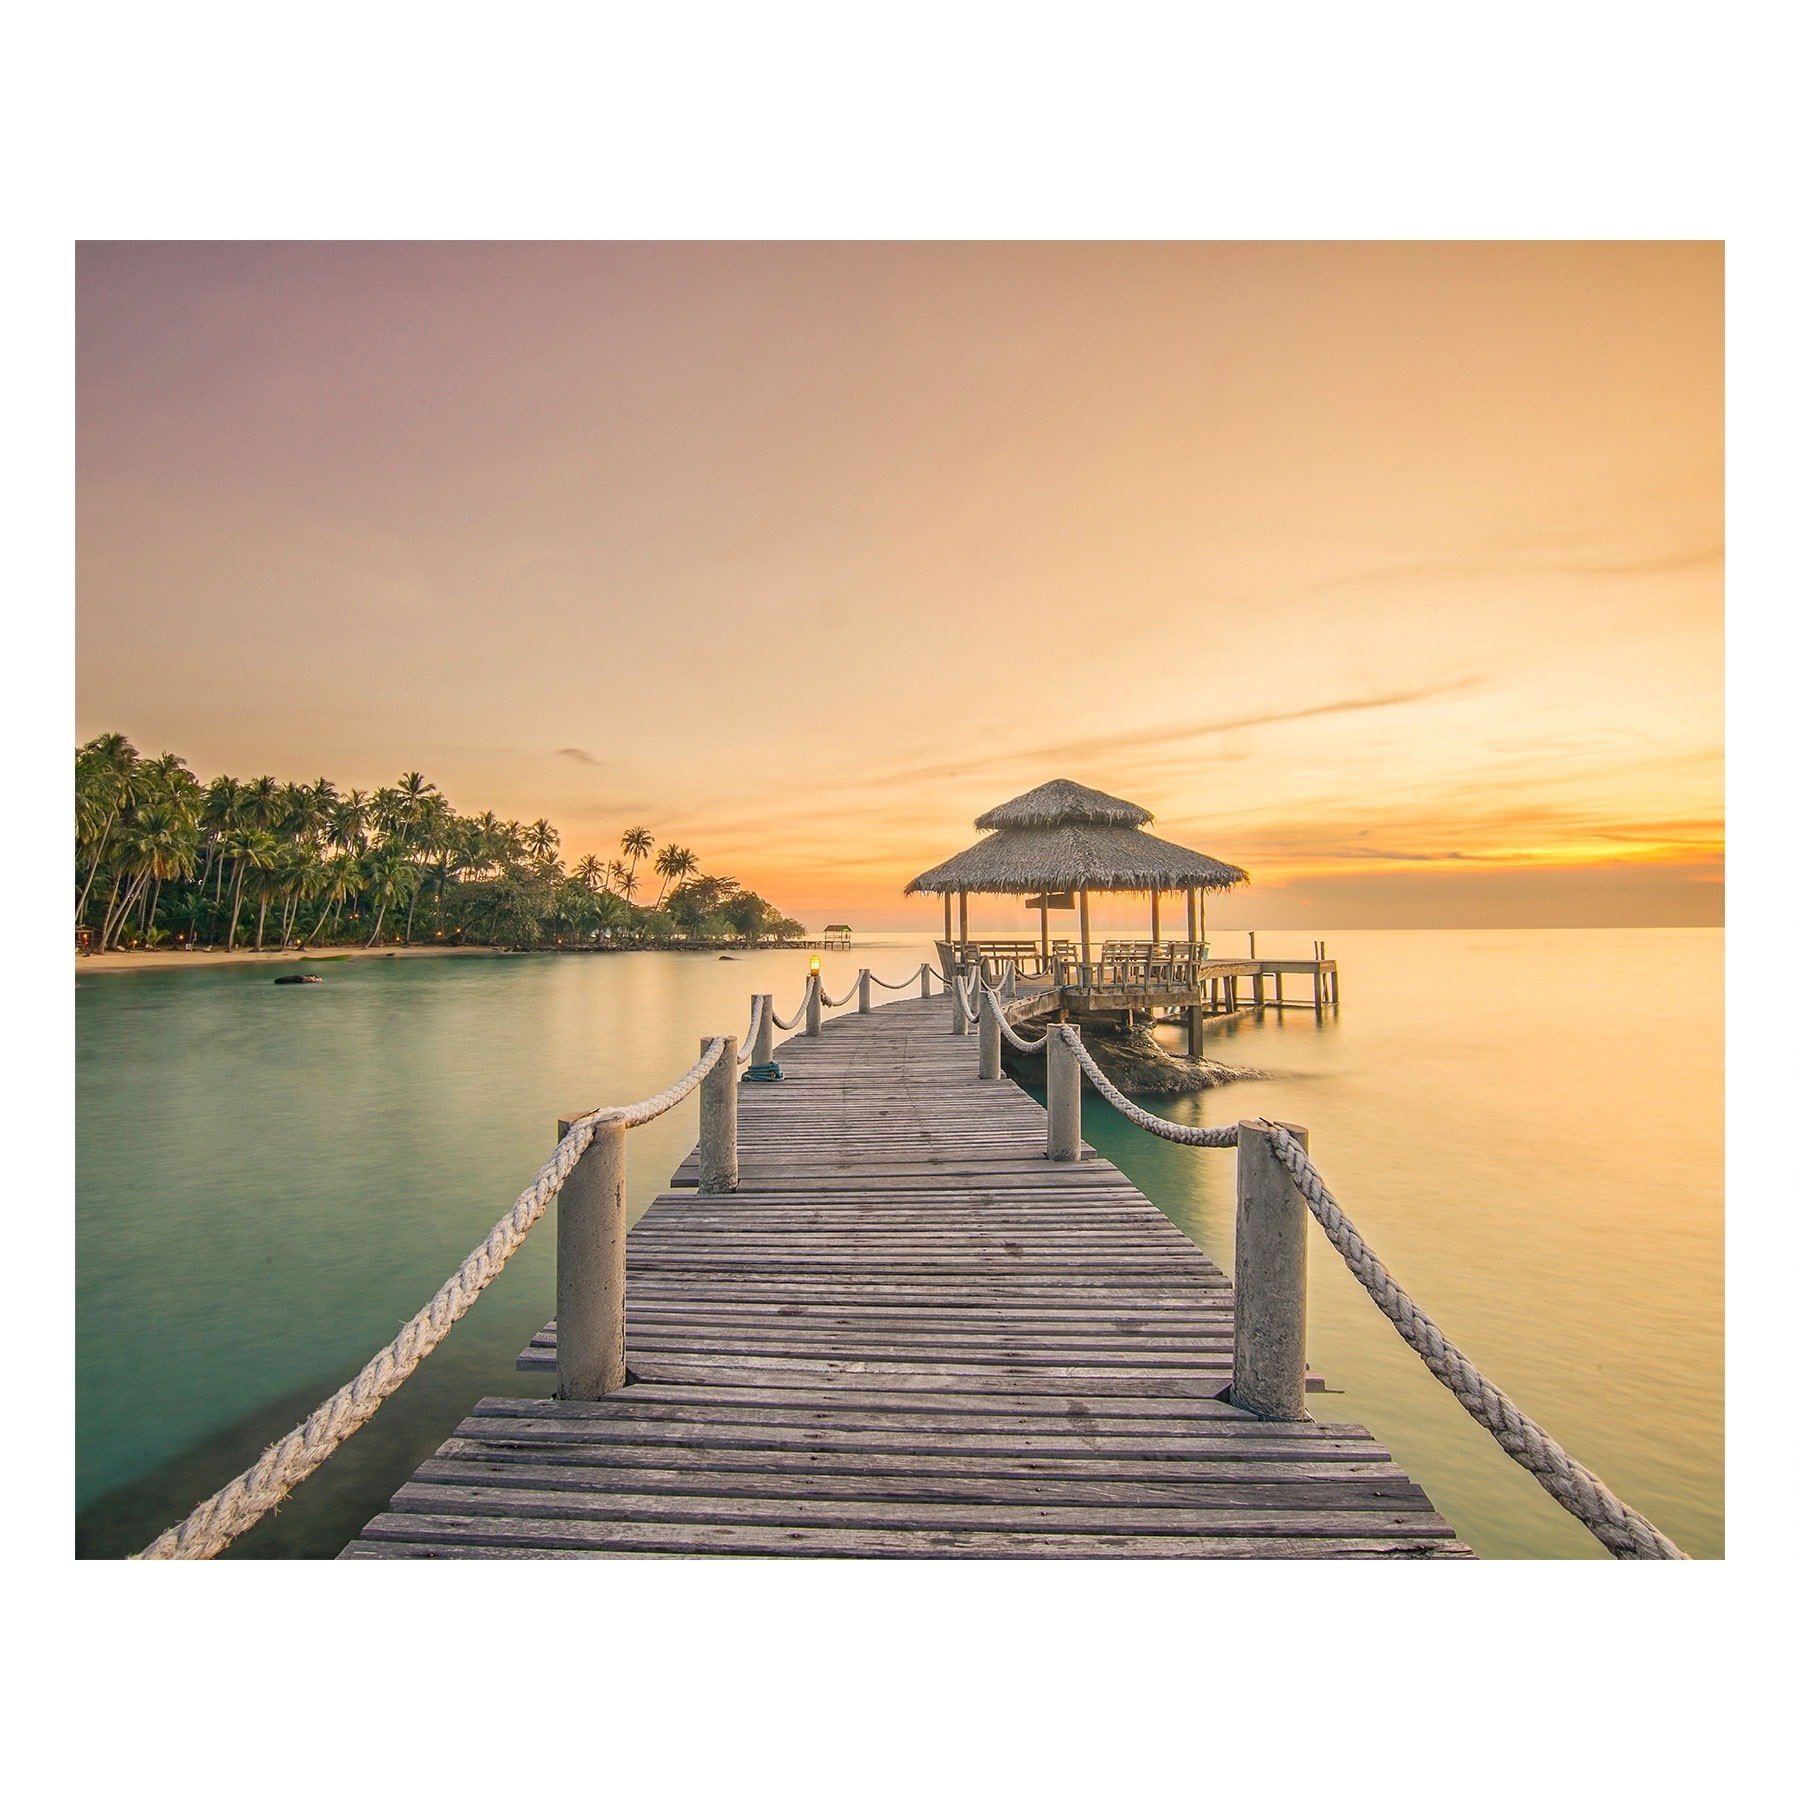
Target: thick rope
(287, 1462)
(963, 987)
(1621, 1528)
(894, 987)
(1206, 1137)
(1031, 1046)
(752, 1029)
(782, 1024)
(826, 1000)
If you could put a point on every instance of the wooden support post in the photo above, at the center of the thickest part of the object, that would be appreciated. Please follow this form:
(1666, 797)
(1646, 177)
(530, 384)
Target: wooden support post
(1044, 935)
(1253, 946)
(1062, 1097)
(1196, 1030)
(959, 1020)
(718, 1121)
(815, 1005)
(763, 1051)
(925, 980)
(1155, 920)
(862, 992)
(990, 1037)
(1193, 925)
(1087, 942)
(962, 923)
(1256, 987)
(1268, 1366)
(590, 1268)
(948, 939)
(1278, 999)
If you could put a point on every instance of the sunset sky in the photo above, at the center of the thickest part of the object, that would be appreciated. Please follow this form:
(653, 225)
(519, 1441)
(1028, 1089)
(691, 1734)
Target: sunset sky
(1393, 573)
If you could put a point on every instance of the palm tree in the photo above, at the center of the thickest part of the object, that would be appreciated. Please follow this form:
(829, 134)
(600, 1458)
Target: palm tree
(391, 878)
(541, 839)
(338, 879)
(635, 843)
(250, 848)
(673, 864)
(589, 873)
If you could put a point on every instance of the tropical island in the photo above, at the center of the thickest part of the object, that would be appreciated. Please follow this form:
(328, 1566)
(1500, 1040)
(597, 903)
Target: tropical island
(166, 861)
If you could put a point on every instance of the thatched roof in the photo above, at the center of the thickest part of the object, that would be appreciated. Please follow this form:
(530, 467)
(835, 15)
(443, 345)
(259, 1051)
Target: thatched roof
(1062, 836)
(1064, 803)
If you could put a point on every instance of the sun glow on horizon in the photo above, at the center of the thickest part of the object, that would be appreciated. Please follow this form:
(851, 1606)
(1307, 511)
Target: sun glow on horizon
(1392, 573)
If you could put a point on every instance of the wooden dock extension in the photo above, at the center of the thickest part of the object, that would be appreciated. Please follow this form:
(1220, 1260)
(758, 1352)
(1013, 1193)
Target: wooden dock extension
(908, 1334)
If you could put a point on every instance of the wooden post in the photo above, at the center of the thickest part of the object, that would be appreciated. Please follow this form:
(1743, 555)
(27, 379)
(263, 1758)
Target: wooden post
(959, 1020)
(815, 1005)
(948, 939)
(862, 992)
(1268, 1366)
(1087, 945)
(1278, 999)
(1155, 920)
(1062, 1099)
(590, 1268)
(1253, 946)
(763, 1050)
(990, 1037)
(962, 922)
(925, 978)
(718, 1121)
(1044, 933)
(1196, 1030)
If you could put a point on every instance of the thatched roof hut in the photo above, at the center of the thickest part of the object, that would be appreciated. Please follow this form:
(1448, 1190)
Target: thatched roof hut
(1064, 839)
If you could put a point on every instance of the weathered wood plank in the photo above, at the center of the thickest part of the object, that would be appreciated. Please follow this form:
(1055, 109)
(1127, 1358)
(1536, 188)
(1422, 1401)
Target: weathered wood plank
(907, 1334)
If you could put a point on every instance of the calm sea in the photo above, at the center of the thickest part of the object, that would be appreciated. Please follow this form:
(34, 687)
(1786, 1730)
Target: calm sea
(1525, 1124)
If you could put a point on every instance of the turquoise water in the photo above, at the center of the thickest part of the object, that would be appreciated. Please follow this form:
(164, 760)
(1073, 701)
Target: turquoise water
(1525, 1124)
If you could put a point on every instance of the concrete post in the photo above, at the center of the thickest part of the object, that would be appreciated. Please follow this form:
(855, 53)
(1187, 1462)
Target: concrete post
(764, 1049)
(718, 1121)
(815, 1007)
(990, 1037)
(862, 991)
(1268, 1368)
(590, 1268)
(1062, 1096)
(924, 982)
(959, 1021)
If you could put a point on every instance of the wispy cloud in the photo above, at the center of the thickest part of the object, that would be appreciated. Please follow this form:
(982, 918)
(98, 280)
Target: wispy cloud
(580, 756)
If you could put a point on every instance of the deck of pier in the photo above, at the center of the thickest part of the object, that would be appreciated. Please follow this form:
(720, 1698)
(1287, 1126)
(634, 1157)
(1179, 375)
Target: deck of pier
(907, 1334)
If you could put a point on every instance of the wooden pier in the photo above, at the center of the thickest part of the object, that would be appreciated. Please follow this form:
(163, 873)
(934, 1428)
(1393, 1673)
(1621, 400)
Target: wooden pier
(908, 1333)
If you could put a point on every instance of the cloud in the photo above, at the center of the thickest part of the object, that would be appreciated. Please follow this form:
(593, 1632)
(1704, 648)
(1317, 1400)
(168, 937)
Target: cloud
(580, 756)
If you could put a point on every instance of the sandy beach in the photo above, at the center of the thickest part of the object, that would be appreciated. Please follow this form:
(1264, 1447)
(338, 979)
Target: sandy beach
(132, 962)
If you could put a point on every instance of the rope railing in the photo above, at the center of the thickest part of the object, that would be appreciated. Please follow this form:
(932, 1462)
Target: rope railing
(782, 1024)
(1575, 1487)
(1626, 1532)
(230, 1512)
(753, 1029)
(1030, 1046)
(894, 987)
(826, 1000)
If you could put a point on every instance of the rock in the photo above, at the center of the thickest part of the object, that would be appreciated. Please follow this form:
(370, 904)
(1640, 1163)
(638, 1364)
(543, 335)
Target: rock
(1137, 1064)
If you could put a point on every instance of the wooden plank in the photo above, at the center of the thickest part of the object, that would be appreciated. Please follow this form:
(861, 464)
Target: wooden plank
(907, 1334)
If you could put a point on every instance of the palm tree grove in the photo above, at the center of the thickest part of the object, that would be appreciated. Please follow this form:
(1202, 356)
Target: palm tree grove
(164, 859)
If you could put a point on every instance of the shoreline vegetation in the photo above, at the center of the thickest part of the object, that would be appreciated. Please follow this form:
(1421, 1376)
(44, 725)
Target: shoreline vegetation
(166, 864)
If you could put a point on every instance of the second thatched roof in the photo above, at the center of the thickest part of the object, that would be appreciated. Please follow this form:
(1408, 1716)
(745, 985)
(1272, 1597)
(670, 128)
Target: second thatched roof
(1065, 836)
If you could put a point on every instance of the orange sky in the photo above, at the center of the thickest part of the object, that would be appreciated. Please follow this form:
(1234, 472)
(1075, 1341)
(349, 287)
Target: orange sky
(1391, 572)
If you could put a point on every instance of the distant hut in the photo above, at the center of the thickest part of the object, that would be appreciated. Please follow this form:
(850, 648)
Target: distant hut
(837, 937)
(1063, 840)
